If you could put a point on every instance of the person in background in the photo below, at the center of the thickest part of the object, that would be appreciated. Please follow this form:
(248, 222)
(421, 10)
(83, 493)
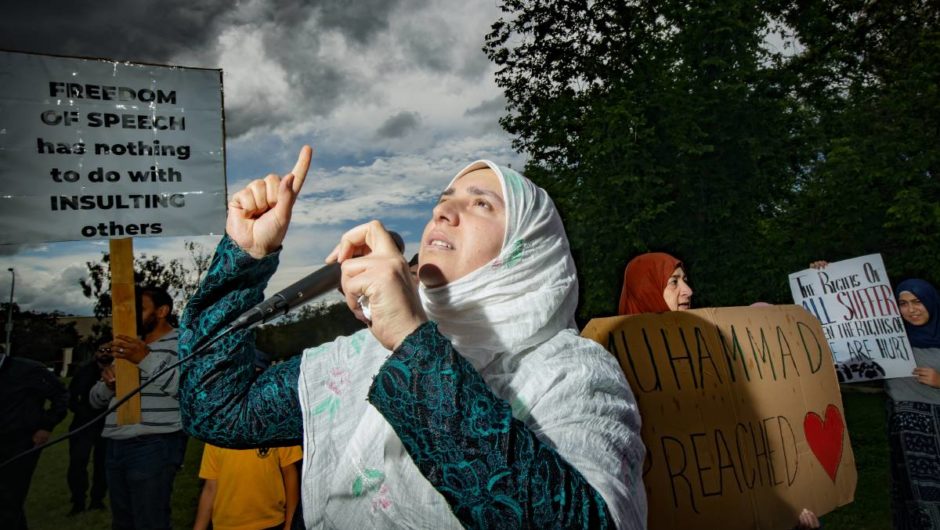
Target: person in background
(470, 401)
(26, 387)
(914, 413)
(89, 442)
(654, 282)
(143, 458)
(248, 489)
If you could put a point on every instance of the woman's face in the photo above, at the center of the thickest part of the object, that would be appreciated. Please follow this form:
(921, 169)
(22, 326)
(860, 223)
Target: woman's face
(912, 309)
(465, 231)
(678, 294)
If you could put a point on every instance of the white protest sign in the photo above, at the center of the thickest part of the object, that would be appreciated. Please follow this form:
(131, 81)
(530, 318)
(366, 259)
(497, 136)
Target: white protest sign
(854, 302)
(94, 149)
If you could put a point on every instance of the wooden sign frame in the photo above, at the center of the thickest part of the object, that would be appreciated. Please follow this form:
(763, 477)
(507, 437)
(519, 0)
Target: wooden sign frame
(124, 322)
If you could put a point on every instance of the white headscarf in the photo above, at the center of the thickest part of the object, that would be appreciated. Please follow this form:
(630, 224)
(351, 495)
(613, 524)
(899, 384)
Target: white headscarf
(521, 298)
(513, 320)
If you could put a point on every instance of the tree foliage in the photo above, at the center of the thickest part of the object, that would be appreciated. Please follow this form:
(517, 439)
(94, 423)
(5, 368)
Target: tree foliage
(312, 326)
(289, 336)
(871, 74)
(178, 277)
(747, 138)
(38, 336)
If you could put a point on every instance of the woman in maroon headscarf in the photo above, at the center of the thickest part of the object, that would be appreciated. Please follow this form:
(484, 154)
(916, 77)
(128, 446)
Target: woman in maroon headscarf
(654, 282)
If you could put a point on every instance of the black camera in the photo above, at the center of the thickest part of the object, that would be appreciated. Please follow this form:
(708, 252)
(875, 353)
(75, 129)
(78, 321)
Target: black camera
(105, 359)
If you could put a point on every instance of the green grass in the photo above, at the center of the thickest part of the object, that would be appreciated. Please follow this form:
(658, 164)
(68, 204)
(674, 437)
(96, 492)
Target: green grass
(871, 510)
(48, 501)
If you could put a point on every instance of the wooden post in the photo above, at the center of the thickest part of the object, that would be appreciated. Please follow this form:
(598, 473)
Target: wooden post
(124, 322)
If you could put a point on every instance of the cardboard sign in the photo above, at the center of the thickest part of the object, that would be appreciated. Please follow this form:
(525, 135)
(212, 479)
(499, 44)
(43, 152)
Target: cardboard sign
(93, 149)
(855, 304)
(742, 416)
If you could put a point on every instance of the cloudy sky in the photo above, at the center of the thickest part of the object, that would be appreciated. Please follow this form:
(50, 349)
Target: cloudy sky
(394, 95)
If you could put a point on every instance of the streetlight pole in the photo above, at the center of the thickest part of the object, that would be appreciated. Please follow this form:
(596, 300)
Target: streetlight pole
(10, 310)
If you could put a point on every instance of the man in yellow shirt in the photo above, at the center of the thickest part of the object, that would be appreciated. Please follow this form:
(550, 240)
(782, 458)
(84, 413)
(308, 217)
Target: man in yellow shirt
(248, 489)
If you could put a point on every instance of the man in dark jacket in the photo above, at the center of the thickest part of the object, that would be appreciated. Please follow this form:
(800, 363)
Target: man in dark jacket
(82, 444)
(25, 421)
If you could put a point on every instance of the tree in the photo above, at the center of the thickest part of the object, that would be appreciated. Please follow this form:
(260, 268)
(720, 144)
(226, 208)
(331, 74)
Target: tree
(676, 126)
(654, 127)
(313, 325)
(180, 280)
(870, 73)
(38, 336)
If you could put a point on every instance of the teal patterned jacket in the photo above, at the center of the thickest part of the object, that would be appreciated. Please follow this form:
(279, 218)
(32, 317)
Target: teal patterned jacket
(449, 422)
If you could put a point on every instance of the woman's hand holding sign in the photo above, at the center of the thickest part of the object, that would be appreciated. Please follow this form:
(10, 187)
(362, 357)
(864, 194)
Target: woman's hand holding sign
(927, 376)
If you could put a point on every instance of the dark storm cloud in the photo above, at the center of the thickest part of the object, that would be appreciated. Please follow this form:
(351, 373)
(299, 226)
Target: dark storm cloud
(189, 31)
(490, 108)
(155, 31)
(399, 125)
(360, 20)
(443, 45)
(431, 48)
(136, 31)
(320, 85)
(475, 64)
(292, 37)
(9, 250)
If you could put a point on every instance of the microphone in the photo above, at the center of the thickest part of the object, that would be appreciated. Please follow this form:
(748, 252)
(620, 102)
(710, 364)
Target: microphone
(317, 283)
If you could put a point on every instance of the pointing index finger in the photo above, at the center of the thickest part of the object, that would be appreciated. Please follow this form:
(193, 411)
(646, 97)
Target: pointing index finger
(301, 167)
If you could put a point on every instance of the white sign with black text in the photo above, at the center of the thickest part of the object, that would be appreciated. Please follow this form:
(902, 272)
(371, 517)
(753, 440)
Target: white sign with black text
(855, 303)
(95, 149)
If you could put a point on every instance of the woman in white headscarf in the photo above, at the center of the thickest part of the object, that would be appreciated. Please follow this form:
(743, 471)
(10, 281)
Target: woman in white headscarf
(470, 401)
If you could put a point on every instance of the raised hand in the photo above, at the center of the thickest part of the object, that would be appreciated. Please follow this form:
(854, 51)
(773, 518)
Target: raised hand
(259, 214)
(374, 267)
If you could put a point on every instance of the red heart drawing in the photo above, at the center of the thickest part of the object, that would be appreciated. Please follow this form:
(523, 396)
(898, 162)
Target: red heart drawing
(825, 438)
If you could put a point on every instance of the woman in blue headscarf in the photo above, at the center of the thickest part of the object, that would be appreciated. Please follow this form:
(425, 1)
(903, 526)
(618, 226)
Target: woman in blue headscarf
(914, 413)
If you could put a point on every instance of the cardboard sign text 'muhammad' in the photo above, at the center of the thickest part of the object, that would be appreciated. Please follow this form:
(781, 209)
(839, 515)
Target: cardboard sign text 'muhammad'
(742, 415)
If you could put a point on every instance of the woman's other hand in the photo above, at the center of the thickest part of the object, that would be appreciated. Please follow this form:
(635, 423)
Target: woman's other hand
(373, 267)
(807, 519)
(259, 214)
(927, 376)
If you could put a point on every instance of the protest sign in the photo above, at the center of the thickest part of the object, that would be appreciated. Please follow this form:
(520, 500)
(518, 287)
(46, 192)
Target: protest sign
(855, 304)
(742, 416)
(95, 149)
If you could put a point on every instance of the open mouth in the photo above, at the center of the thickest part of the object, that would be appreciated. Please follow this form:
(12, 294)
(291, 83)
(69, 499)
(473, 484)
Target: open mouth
(437, 243)
(438, 240)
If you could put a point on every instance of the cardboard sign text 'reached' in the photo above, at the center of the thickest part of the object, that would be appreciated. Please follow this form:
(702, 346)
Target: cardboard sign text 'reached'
(742, 415)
